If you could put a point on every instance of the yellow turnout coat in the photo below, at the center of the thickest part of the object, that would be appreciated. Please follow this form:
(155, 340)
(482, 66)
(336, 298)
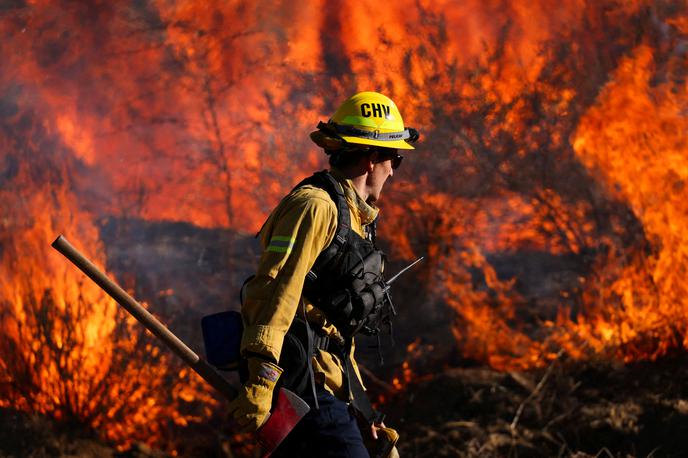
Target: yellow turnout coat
(296, 232)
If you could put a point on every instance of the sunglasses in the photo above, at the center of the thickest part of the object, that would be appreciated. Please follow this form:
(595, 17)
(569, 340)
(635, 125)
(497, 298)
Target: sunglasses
(396, 161)
(395, 157)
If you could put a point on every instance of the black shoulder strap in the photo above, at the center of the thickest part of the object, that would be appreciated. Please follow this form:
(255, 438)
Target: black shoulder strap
(325, 181)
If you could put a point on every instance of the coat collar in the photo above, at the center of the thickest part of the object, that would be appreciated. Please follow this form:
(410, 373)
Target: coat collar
(366, 212)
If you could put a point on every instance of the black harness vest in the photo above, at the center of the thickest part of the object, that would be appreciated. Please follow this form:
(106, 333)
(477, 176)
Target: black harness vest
(346, 280)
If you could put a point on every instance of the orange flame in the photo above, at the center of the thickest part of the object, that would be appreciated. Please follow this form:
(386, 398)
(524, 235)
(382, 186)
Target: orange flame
(548, 130)
(65, 348)
(634, 140)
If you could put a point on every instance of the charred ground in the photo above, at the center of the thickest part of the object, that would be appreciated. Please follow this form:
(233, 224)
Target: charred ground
(591, 410)
(594, 409)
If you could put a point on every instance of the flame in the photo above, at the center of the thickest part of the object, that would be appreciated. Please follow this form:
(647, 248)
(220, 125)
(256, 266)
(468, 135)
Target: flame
(628, 306)
(634, 140)
(66, 348)
(177, 102)
(416, 351)
(551, 130)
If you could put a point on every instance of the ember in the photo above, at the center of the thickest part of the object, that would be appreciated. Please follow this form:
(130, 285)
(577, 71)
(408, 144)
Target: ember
(548, 193)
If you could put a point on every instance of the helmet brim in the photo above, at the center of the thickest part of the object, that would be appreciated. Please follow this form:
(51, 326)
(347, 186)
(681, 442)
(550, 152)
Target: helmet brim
(395, 144)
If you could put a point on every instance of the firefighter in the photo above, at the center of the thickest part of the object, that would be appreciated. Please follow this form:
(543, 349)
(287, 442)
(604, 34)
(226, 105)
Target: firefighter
(317, 285)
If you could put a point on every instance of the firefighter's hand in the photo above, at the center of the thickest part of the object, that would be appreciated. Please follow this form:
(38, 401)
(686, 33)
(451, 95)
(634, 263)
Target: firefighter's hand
(252, 406)
(388, 438)
(374, 427)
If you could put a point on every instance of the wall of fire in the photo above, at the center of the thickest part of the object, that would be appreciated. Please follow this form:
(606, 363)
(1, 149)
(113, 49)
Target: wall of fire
(548, 191)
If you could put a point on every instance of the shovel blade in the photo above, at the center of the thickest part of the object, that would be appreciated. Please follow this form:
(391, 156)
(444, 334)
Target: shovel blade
(288, 411)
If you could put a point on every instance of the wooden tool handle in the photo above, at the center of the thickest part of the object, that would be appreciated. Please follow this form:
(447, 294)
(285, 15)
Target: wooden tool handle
(144, 317)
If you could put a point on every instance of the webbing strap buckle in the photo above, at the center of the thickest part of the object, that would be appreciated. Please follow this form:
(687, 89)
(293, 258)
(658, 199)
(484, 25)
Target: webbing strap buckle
(321, 342)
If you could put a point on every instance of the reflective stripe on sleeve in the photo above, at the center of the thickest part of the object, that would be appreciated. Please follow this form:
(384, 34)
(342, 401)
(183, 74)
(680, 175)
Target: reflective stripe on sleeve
(281, 244)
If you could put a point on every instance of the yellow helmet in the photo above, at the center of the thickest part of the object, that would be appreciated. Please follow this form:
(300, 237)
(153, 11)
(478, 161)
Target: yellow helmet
(366, 118)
